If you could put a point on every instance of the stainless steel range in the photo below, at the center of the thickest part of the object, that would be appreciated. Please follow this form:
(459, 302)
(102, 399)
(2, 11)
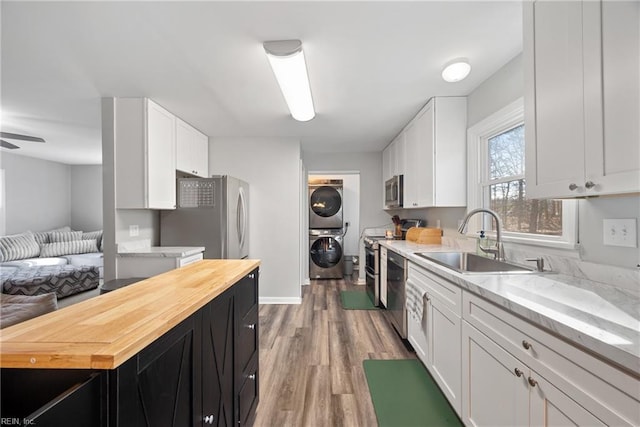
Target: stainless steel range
(372, 267)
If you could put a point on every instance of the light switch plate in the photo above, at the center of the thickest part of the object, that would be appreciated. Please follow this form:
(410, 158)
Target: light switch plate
(620, 232)
(133, 231)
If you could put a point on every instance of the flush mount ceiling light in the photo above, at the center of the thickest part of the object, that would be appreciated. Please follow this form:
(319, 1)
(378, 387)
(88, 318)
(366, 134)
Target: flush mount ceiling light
(287, 62)
(456, 70)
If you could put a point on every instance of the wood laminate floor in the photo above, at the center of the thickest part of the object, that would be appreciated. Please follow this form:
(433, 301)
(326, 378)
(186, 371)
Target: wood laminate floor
(311, 357)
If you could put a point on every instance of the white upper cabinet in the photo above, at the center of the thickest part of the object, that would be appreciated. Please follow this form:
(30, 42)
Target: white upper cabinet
(418, 188)
(582, 94)
(192, 150)
(393, 158)
(386, 164)
(612, 69)
(145, 154)
(435, 169)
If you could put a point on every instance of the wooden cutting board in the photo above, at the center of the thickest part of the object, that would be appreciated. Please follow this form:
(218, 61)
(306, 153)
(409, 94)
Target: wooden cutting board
(425, 235)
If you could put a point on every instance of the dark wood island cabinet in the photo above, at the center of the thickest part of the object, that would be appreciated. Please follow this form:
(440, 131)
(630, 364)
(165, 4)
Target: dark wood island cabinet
(193, 354)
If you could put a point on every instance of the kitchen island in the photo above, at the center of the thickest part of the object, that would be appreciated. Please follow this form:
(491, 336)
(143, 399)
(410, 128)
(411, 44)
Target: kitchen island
(177, 349)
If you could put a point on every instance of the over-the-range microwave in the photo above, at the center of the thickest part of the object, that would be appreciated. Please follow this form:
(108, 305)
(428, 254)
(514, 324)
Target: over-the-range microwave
(393, 192)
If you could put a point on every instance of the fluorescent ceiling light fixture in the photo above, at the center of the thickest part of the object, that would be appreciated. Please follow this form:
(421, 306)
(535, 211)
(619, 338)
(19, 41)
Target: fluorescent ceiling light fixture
(287, 62)
(456, 70)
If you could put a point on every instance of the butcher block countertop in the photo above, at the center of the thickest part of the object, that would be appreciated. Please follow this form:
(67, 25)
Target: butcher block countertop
(105, 331)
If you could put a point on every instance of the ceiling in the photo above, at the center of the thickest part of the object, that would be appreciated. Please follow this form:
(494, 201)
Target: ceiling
(372, 65)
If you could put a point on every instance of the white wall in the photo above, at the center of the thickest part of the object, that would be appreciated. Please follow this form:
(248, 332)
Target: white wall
(41, 195)
(445, 218)
(147, 220)
(37, 193)
(271, 166)
(504, 87)
(86, 197)
(591, 212)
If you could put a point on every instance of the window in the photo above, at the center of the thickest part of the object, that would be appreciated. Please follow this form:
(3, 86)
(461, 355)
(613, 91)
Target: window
(497, 181)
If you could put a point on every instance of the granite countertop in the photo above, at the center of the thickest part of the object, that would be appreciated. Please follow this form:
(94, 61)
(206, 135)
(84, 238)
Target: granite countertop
(602, 318)
(162, 251)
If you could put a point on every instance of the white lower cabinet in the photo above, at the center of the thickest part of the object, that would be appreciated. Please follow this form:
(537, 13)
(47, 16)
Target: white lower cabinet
(434, 329)
(444, 331)
(516, 374)
(499, 390)
(492, 393)
(549, 406)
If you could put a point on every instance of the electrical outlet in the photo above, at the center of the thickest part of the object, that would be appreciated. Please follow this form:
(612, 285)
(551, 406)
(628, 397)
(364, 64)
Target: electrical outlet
(133, 231)
(620, 232)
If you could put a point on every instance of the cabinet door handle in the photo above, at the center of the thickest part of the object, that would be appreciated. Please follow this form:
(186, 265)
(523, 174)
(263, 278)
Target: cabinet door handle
(526, 344)
(573, 187)
(532, 382)
(425, 305)
(518, 372)
(252, 326)
(209, 419)
(252, 377)
(589, 185)
(252, 276)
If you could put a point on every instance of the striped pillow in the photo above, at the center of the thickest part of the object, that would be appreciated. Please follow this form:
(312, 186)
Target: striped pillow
(93, 235)
(64, 236)
(41, 237)
(18, 246)
(68, 248)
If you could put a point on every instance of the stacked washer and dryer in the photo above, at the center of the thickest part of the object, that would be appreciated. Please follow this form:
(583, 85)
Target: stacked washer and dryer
(326, 235)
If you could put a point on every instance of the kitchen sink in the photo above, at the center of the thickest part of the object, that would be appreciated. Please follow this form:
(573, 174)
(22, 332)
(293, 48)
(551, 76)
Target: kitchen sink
(465, 262)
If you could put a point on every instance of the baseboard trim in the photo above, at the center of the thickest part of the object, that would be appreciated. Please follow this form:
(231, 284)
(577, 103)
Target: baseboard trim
(280, 300)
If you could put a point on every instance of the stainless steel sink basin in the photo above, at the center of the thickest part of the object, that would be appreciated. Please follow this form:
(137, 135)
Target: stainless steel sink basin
(464, 262)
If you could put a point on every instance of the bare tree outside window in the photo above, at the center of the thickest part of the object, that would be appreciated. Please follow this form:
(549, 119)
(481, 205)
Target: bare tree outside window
(507, 188)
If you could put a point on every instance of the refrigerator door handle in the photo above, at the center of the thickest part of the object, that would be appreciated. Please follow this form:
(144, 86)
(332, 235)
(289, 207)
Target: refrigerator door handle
(242, 216)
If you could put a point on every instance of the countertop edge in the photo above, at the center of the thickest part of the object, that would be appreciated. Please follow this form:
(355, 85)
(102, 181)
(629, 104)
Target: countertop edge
(162, 252)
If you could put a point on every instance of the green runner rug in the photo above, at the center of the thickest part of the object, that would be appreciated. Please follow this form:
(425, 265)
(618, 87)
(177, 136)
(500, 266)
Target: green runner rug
(356, 300)
(405, 395)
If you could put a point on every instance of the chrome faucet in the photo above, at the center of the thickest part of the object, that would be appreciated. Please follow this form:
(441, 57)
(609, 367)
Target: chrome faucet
(498, 249)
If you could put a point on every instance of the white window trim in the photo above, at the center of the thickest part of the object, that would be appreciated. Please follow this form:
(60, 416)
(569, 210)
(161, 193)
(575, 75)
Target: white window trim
(509, 116)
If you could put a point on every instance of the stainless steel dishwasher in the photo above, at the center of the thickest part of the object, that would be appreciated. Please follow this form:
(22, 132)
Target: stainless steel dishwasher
(396, 292)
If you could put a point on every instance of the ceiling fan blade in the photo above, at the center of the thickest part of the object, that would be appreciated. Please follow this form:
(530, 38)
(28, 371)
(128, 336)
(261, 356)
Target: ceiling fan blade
(20, 137)
(5, 144)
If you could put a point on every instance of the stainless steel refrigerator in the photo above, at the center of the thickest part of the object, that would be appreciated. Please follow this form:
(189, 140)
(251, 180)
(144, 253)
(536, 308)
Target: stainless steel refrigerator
(210, 212)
